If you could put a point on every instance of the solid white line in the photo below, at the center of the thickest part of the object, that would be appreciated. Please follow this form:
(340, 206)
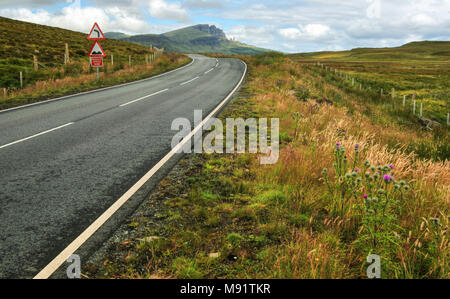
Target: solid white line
(209, 71)
(42, 133)
(184, 83)
(81, 239)
(140, 99)
(97, 90)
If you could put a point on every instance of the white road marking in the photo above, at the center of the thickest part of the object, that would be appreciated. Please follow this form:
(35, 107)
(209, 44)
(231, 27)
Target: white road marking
(36, 135)
(81, 239)
(184, 83)
(143, 98)
(209, 71)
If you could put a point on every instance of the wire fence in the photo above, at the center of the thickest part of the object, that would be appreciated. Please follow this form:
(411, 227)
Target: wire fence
(395, 99)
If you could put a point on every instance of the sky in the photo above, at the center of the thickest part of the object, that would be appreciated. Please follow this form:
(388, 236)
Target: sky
(288, 26)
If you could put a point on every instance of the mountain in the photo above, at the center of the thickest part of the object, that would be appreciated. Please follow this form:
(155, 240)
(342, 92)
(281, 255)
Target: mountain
(423, 50)
(195, 39)
(116, 35)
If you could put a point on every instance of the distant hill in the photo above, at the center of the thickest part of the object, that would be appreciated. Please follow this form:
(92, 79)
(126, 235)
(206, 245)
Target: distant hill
(116, 35)
(424, 50)
(194, 39)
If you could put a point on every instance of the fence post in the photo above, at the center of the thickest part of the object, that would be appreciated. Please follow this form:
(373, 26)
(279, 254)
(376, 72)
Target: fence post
(448, 119)
(66, 55)
(35, 63)
(21, 79)
(421, 109)
(353, 81)
(112, 60)
(414, 107)
(404, 100)
(381, 92)
(5, 93)
(129, 60)
(393, 93)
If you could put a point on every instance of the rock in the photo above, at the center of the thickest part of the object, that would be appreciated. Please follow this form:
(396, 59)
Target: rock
(324, 101)
(214, 255)
(428, 123)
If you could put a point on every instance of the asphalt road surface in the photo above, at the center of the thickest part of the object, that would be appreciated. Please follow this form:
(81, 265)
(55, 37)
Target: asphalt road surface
(64, 162)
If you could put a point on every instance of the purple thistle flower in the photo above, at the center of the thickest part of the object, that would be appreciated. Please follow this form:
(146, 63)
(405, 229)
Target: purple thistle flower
(356, 169)
(357, 146)
(338, 144)
(366, 196)
(387, 178)
(391, 166)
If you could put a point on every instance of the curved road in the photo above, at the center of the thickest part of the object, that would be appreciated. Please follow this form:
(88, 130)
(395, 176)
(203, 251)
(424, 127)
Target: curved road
(64, 162)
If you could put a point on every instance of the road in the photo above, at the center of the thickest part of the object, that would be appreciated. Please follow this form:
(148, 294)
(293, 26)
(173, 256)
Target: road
(64, 162)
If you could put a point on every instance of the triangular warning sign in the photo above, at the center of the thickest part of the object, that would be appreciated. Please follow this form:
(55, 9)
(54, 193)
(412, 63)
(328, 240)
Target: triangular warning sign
(97, 50)
(96, 33)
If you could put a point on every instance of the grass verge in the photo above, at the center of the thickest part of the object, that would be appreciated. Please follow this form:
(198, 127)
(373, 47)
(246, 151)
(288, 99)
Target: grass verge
(339, 193)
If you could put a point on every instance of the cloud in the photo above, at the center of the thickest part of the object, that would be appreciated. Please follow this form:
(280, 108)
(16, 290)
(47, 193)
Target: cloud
(80, 19)
(168, 11)
(252, 34)
(310, 32)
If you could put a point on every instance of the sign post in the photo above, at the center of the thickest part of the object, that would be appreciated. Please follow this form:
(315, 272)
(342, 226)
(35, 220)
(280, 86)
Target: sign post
(96, 54)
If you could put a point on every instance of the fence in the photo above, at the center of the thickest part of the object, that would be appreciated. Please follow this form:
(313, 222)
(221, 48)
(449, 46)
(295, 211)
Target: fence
(68, 67)
(416, 106)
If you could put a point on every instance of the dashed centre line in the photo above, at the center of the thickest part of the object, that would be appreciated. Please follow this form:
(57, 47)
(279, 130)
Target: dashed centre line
(143, 98)
(36, 135)
(209, 71)
(184, 83)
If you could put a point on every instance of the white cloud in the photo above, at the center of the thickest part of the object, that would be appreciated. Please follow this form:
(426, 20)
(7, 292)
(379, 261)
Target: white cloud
(80, 19)
(310, 32)
(252, 34)
(168, 11)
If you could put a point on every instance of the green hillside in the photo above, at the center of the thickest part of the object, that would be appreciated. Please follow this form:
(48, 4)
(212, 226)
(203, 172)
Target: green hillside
(194, 39)
(19, 41)
(425, 50)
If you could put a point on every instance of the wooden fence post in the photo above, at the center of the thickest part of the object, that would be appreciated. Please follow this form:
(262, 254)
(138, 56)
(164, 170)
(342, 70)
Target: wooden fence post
(67, 55)
(421, 109)
(35, 63)
(21, 79)
(129, 60)
(404, 100)
(5, 93)
(112, 60)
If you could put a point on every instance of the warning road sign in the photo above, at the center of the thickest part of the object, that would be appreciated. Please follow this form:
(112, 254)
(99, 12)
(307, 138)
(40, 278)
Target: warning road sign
(97, 50)
(96, 33)
(97, 61)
